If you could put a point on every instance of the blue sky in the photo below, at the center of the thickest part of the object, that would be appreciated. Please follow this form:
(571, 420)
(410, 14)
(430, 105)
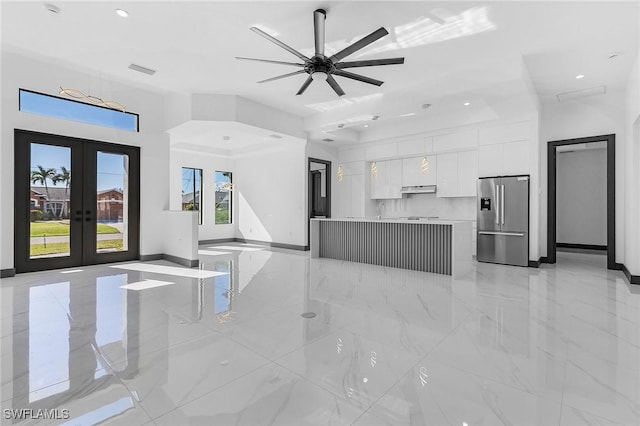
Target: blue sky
(110, 166)
(66, 109)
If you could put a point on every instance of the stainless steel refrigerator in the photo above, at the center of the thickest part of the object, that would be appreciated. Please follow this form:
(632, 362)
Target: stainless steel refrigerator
(503, 220)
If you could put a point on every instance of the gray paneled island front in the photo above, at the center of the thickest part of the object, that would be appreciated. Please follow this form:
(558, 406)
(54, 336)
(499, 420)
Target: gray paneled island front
(439, 246)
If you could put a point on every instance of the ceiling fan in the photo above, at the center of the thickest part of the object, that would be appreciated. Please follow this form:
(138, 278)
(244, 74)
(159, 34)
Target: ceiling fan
(321, 67)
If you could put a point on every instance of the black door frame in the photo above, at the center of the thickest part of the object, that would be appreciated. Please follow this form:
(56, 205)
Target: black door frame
(309, 191)
(611, 194)
(83, 211)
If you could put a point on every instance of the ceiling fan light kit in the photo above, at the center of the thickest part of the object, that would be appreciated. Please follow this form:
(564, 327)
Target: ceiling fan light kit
(321, 67)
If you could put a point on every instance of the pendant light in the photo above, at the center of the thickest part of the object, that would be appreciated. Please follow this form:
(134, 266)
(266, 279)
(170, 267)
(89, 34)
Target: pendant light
(340, 173)
(424, 164)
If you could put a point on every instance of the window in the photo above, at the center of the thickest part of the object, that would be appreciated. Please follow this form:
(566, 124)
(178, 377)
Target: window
(224, 192)
(192, 190)
(67, 109)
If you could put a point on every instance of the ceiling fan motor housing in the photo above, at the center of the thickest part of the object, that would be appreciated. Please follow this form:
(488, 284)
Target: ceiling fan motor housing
(319, 64)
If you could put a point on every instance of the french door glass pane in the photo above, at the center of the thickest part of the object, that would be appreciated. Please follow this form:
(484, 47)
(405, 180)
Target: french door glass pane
(112, 202)
(50, 200)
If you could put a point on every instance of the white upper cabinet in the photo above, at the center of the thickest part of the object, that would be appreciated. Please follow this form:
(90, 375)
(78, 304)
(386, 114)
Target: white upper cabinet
(504, 159)
(467, 173)
(377, 182)
(416, 172)
(387, 182)
(516, 158)
(447, 177)
(455, 141)
(393, 179)
(457, 174)
(505, 150)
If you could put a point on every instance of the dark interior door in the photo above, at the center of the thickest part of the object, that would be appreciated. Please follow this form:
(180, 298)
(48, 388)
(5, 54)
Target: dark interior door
(318, 201)
(76, 202)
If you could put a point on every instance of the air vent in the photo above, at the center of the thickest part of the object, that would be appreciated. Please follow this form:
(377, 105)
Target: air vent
(275, 136)
(327, 140)
(142, 69)
(577, 94)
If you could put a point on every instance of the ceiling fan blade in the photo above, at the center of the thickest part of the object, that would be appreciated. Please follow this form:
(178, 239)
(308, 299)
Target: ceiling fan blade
(334, 85)
(279, 43)
(270, 61)
(369, 63)
(319, 16)
(358, 77)
(363, 42)
(306, 84)
(281, 76)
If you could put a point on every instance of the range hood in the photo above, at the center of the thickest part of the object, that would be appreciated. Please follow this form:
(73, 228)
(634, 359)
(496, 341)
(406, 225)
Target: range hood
(424, 189)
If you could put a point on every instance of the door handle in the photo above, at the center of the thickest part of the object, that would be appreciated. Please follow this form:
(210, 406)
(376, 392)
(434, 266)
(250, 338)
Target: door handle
(502, 201)
(78, 216)
(508, 234)
(87, 216)
(497, 205)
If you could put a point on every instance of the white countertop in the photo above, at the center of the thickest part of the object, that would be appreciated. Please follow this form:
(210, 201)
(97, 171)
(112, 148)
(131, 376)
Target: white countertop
(393, 220)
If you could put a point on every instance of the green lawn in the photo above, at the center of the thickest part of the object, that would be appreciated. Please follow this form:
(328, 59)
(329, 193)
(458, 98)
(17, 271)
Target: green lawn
(54, 229)
(222, 216)
(58, 248)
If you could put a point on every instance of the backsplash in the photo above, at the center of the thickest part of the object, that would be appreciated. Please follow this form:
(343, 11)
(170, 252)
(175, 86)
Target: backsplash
(459, 208)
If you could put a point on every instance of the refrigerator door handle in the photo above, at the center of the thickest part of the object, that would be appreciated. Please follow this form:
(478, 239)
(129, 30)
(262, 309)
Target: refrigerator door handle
(510, 234)
(497, 205)
(502, 202)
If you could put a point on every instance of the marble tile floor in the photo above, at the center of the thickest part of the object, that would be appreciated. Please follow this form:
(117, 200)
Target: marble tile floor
(160, 344)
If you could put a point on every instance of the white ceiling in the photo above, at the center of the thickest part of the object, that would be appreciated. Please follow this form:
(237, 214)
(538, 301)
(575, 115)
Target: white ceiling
(227, 138)
(455, 51)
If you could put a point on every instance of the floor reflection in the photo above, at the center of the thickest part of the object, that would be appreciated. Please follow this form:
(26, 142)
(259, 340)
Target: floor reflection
(226, 343)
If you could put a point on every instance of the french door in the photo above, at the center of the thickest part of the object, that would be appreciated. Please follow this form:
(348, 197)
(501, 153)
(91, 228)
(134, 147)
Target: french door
(76, 202)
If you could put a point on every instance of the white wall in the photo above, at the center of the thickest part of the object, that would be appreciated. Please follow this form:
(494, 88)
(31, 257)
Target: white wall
(209, 164)
(182, 242)
(581, 188)
(271, 192)
(19, 71)
(631, 151)
(592, 116)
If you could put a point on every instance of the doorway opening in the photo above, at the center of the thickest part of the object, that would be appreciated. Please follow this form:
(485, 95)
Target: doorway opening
(319, 193)
(77, 202)
(585, 215)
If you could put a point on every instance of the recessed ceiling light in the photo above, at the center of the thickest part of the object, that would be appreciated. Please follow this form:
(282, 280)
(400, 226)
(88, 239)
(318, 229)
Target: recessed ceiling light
(579, 76)
(375, 117)
(614, 55)
(226, 138)
(467, 103)
(409, 114)
(366, 125)
(122, 13)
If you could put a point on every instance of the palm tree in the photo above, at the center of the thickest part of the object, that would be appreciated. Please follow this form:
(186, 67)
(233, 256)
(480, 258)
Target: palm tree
(41, 176)
(65, 177)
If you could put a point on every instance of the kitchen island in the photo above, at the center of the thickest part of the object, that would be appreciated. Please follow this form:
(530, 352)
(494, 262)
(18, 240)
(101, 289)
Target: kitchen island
(439, 246)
